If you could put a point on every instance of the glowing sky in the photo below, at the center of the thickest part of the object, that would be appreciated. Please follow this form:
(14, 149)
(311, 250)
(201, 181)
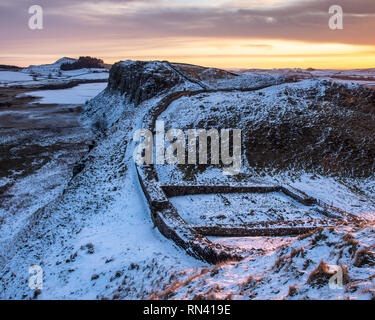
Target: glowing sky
(217, 33)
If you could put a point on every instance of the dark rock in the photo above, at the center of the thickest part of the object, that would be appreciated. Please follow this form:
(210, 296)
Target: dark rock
(94, 277)
(77, 169)
(142, 80)
(37, 292)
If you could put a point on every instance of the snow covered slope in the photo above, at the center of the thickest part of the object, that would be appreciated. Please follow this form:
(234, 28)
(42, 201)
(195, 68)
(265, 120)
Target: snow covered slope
(364, 77)
(97, 240)
(51, 76)
(97, 236)
(49, 68)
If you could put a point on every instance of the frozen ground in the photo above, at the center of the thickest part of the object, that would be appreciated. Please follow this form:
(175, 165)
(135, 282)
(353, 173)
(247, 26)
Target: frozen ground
(10, 76)
(364, 77)
(254, 243)
(298, 269)
(76, 95)
(242, 208)
(39, 147)
(25, 191)
(51, 75)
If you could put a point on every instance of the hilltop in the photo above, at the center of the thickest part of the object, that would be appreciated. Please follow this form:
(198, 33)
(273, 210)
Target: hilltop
(51, 76)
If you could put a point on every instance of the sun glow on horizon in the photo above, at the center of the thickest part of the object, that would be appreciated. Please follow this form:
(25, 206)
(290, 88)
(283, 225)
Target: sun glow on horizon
(219, 53)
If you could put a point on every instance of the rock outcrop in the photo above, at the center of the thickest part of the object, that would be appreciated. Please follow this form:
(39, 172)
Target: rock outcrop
(142, 80)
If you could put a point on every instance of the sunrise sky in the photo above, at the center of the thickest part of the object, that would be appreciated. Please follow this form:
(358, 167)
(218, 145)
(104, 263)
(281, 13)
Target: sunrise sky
(215, 33)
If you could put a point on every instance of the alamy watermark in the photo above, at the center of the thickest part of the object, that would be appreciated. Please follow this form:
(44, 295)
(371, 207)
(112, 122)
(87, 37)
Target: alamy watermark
(152, 149)
(336, 282)
(36, 20)
(336, 21)
(36, 277)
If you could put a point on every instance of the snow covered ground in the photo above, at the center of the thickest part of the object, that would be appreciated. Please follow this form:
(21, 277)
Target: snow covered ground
(13, 76)
(299, 269)
(76, 95)
(51, 74)
(254, 243)
(364, 77)
(215, 209)
(41, 165)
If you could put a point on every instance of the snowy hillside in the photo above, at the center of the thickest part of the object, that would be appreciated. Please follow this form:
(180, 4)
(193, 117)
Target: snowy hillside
(99, 237)
(49, 68)
(364, 77)
(51, 76)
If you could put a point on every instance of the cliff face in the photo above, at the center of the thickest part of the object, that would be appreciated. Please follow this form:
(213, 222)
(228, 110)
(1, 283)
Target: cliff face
(141, 80)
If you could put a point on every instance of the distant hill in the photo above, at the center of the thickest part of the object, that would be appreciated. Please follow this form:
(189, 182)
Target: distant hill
(9, 68)
(50, 68)
(81, 63)
(67, 64)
